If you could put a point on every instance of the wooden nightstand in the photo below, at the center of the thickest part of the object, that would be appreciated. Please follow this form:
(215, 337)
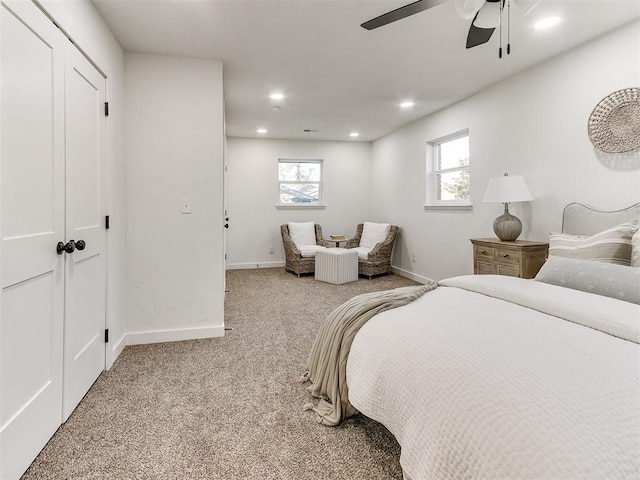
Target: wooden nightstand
(519, 259)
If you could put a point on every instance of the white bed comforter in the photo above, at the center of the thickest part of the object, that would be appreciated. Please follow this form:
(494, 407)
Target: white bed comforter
(473, 386)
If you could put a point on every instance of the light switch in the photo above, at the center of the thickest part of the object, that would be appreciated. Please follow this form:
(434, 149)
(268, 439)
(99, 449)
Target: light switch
(186, 206)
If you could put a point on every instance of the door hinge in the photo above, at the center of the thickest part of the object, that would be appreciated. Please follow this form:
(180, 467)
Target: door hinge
(106, 222)
(106, 109)
(106, 335)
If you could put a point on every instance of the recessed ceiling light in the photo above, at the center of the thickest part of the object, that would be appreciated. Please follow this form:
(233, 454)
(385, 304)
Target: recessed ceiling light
(407, 104)
(354, 134)
(276, 96)
(262, 130)
(546, 23)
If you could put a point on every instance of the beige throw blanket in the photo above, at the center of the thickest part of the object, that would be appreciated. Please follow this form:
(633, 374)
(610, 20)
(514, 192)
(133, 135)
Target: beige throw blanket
(326, 368)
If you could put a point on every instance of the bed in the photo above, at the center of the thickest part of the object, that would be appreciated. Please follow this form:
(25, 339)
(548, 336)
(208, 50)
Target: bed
(504, 378)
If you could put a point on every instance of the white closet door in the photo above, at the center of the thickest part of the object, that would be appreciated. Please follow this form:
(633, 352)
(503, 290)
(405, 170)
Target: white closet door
(32, 213)
(84, 346)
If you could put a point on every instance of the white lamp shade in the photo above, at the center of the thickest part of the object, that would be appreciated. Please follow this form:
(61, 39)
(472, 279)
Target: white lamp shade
(510, 188)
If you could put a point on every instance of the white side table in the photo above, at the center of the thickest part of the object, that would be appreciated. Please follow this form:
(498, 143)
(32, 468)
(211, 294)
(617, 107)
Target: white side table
(337, 265)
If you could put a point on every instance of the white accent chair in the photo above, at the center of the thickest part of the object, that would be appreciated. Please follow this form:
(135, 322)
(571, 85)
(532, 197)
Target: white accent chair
(301, 241)
(374, 243)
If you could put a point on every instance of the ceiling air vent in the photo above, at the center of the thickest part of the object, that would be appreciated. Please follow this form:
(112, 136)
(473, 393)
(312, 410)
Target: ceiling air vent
(310, 130)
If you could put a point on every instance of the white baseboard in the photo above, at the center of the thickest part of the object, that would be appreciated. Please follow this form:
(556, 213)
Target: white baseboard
(117, 349)
(243, 266)
(142, 338)
(411, 275)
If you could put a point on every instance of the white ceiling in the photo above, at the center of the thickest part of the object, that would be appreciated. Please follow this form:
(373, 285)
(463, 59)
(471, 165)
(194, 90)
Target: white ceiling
(337, 76)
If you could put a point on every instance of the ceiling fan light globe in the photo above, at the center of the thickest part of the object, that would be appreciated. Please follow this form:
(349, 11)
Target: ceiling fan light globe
(467, 9)
(488, 15)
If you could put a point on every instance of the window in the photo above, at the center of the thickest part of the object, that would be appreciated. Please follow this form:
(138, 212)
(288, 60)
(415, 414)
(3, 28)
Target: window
(448, 171)
(300, 182)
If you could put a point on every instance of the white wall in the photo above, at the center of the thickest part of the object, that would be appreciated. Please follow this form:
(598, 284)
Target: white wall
(252, 193)
(81, 22)
(532, 124)
(174, 147)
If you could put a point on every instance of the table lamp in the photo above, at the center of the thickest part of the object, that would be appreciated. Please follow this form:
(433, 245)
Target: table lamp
(507, 189)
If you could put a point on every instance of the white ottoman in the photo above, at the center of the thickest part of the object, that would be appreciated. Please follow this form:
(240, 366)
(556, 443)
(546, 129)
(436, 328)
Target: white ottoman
(337, 265)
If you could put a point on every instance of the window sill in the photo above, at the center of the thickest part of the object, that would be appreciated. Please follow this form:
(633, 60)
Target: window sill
(449, 208)
(297, 207)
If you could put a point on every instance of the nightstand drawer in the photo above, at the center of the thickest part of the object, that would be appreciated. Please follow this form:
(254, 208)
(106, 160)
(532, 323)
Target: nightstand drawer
(509, 256)
(482, 251)
(510, 270)
(484, 268)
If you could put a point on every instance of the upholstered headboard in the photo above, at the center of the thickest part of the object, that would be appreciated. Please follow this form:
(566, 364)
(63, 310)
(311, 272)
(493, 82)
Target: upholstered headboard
(580, 219)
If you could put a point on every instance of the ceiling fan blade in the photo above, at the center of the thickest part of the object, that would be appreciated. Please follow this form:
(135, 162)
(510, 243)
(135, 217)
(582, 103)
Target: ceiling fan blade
(478, 36)
(484, 23)
(400, 13)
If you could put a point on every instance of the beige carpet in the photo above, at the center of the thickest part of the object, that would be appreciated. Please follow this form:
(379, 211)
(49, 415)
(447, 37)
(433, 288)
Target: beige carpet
(224, 408)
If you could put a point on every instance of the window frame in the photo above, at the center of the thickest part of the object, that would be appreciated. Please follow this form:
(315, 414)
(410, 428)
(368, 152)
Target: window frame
(432, 159)
(320, 183)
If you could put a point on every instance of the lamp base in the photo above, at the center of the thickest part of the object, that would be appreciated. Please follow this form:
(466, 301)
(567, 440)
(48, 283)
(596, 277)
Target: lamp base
(507, 227)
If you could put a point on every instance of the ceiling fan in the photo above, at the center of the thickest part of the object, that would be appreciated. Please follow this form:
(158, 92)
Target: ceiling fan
(486, 16)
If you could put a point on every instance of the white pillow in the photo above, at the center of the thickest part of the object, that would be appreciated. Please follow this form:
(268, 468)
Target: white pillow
(374, 233)
(635, 249)
(610, 246)
(302, 233)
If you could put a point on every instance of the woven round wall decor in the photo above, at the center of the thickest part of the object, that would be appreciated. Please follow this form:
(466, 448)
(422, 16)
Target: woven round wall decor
(614, 125)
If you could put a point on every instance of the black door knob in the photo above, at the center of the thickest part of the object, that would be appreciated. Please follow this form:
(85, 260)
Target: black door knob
(226, 225)
(81, 244)
(69, 247)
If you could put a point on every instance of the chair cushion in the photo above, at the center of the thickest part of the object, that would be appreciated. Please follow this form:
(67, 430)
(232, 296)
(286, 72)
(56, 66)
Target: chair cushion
(302, 233)
(374, 233)
(309, 250)
(635, 249)
(363, 252)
